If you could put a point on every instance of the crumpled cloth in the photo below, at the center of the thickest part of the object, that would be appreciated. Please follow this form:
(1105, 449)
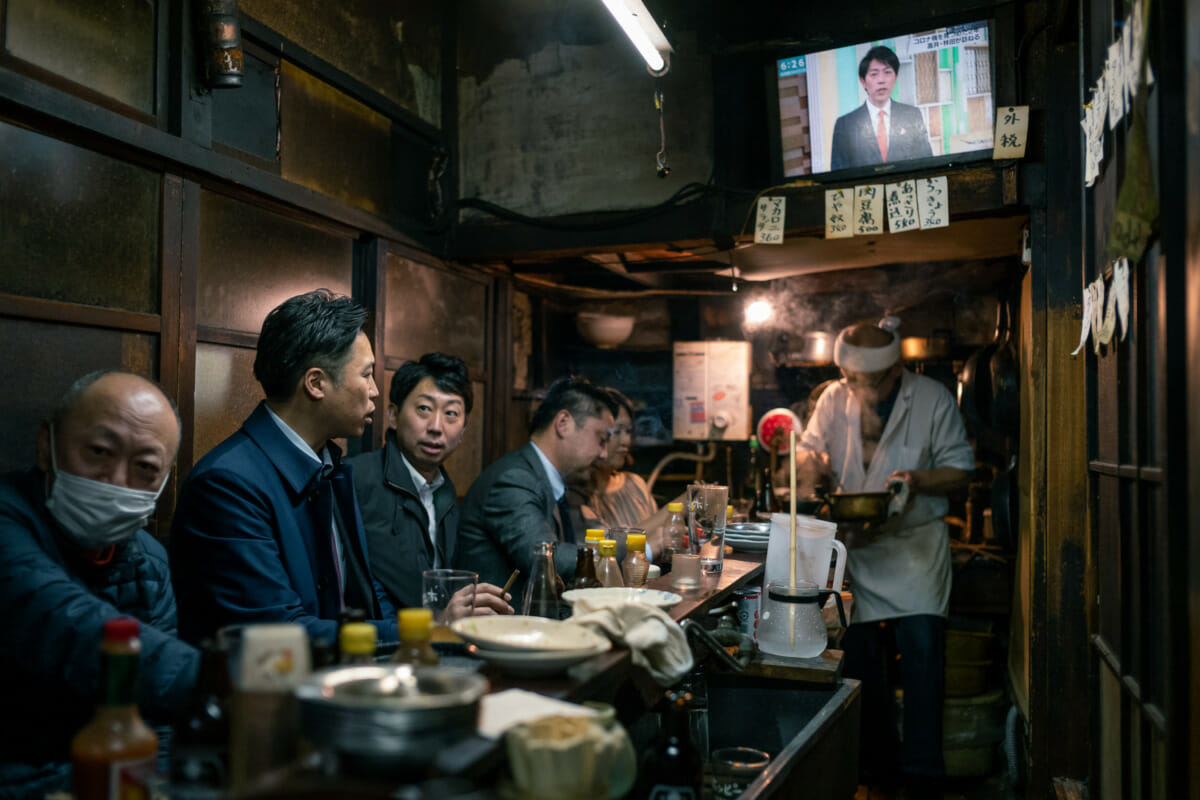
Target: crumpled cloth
(655, 641)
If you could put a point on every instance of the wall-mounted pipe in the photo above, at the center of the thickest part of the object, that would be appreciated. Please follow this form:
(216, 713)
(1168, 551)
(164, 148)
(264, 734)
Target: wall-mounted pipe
(705, 456)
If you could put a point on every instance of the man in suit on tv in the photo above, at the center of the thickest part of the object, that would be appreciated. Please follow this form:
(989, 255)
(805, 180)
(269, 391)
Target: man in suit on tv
(881, 130)
(268, 528)
(521, 499)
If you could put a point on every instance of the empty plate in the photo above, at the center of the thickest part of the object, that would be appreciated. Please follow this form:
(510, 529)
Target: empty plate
(520, 633)
(536, 663)
(626, 594)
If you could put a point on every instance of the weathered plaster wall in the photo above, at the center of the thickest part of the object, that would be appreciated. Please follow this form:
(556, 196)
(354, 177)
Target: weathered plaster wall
(556, 112)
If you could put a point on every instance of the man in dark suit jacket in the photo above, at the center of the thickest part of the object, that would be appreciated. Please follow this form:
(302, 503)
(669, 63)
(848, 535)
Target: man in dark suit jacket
(521, 499)
(267, 528)
(861, 138)
(408, 502)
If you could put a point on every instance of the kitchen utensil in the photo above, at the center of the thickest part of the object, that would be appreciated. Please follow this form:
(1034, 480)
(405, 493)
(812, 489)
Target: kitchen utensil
(375, 728)
(975, 381)
(626, 594)
(537, 663)
(522, 633)
(860, 506)
(815, 543)
(1004, 409)
(791, 624)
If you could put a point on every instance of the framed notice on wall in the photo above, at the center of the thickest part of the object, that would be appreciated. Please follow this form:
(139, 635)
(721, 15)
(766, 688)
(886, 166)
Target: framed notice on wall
(711, 391)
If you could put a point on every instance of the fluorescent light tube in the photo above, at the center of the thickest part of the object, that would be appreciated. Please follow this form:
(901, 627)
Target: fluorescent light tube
(642, 30)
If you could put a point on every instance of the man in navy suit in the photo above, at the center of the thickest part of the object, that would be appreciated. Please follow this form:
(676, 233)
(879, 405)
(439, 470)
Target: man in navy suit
(881, 130)
(267, 528)
(521, 499)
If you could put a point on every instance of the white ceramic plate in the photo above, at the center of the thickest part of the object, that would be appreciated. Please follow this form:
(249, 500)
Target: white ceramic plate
(524, 634)
(617, 594)
(535, 663)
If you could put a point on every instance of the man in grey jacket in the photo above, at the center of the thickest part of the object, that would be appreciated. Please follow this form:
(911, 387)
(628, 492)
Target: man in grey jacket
(521, 499)
(73, 556)
(409, 505)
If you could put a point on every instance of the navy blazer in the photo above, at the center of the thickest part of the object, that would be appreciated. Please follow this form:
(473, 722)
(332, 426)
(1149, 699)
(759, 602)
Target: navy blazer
(250, 541)
(508, 508)
(855, 145)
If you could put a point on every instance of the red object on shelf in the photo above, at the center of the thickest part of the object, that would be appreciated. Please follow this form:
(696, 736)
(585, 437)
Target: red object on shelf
(777, 421)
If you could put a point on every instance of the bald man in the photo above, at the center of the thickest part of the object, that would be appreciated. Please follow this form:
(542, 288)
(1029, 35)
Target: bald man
(72, 556)
(880, 425)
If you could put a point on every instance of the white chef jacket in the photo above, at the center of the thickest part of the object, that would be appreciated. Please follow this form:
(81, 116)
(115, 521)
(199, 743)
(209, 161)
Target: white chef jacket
(906, 570)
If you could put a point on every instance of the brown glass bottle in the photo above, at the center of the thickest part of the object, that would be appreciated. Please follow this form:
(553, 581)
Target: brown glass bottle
(672, 768)
(114, 754)
(200, 741)
(585, 570)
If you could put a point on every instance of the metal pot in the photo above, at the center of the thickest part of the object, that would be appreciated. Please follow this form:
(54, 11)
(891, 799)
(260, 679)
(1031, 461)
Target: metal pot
(386, 720)
(860, 506)
(814, 349)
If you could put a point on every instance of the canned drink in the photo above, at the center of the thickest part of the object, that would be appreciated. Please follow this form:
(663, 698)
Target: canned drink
(749, 603)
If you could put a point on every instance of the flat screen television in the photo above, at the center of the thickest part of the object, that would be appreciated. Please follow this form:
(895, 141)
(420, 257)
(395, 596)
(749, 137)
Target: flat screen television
(934, 85)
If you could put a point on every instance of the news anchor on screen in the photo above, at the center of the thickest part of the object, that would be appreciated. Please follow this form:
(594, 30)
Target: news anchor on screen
(881, 130)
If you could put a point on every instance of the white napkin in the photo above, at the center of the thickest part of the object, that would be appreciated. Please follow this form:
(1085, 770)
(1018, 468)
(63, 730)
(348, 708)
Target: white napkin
(899, 500)
(500, 711)
(655, 641)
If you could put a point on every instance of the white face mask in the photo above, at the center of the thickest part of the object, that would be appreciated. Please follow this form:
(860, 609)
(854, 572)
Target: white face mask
(95, 514)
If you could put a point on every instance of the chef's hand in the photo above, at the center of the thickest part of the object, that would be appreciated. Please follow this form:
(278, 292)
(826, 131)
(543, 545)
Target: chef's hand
(909, 476)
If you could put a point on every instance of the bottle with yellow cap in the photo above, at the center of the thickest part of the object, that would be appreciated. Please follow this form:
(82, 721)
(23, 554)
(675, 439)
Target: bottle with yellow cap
(357, 643)
(592, 539)
(607, 569)
(675, 539)
(416, 631)
(636, 564)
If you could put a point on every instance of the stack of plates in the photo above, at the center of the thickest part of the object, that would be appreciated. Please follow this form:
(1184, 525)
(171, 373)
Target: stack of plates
(530, 646)
(748, 537)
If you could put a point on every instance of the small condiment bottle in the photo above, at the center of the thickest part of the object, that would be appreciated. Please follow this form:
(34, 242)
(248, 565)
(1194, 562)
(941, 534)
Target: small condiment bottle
(676, 536)
(592, 539)
(357, 643)
(114, 754)
(585, 569)
(416, 630)
(607, 569)
(636, 563)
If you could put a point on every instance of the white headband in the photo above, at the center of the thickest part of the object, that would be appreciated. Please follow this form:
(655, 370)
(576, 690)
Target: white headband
(866, 359)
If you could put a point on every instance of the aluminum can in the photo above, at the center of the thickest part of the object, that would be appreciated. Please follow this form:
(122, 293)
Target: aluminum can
(749, 604)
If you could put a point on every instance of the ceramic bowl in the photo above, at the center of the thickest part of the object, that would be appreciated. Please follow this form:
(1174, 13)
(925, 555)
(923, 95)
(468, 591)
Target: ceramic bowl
(623, 594)
(537, 663)
(604, 330)
(521, 633)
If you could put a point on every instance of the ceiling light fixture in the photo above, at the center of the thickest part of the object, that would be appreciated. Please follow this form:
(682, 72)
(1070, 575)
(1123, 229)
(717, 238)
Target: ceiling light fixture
(644, 32)
(757, 312)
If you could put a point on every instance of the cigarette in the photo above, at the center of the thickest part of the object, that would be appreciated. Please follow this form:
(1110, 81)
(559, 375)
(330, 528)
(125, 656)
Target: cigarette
(508, 584)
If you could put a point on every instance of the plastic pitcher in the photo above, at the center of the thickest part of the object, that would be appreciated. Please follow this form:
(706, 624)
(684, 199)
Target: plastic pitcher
(814, 542)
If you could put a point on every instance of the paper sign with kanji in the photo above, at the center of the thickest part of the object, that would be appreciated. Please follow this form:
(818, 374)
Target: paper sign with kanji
(768, 226)
(902, 206)
(1012, 125)
(838, 213)
(868, 209)
(933, 202)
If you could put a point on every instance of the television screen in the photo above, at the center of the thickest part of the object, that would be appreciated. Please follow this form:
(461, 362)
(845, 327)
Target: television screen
(934, 89)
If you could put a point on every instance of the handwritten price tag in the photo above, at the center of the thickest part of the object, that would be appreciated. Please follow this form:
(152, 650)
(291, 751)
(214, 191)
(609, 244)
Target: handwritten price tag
(768, 225)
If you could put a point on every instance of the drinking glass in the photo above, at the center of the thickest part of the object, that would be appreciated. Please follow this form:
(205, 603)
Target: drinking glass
(685, 571)
(450, 595)
(707, 505)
